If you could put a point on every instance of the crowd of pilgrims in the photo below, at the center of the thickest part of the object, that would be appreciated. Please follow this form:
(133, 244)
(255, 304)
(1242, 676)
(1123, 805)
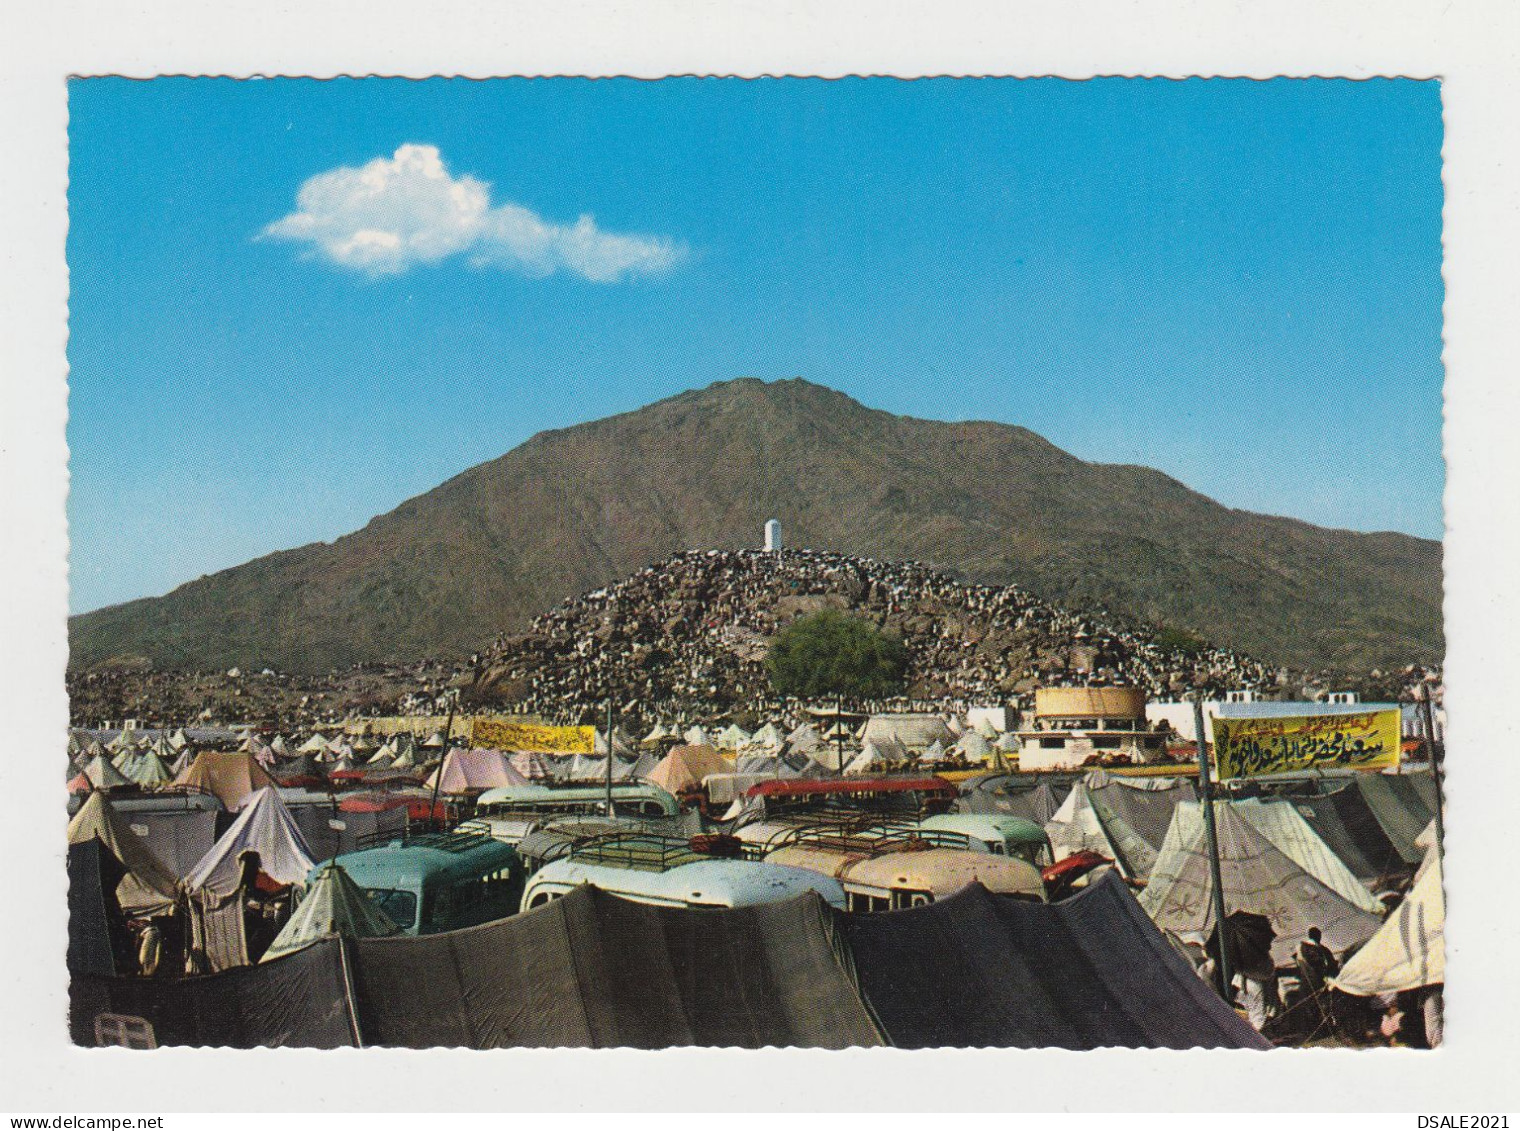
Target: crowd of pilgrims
(688, 637)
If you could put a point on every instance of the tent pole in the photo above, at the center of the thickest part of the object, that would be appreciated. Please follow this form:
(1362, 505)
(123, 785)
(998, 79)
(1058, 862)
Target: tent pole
(1428, 719)
(434, 821)
(1206, 793)
(609, 755)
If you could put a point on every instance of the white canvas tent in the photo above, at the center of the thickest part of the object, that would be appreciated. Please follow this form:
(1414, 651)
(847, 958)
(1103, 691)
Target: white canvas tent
(1409, 950)
(264, 826)
(1257, 878)
(768, 736)
(316, 744)
(733, 737)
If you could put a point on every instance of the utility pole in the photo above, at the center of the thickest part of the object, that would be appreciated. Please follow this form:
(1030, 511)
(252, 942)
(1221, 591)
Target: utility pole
(1206, 796)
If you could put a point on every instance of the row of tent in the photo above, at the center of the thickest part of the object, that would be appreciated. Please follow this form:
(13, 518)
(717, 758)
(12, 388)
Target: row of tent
(593, 970)
(1315, 860)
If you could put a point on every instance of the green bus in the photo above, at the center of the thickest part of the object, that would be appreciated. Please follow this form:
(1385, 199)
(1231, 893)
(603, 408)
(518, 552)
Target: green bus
(439, 881)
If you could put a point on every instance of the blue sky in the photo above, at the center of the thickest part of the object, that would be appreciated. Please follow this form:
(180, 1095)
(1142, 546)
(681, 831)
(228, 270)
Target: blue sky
(1235, 282)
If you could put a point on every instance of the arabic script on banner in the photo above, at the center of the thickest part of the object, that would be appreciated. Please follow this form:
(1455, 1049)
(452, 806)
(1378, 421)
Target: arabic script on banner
(1247, 747)
(500, 735)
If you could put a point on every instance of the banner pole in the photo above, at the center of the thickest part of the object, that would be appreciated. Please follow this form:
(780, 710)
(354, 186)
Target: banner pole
(1206, 792)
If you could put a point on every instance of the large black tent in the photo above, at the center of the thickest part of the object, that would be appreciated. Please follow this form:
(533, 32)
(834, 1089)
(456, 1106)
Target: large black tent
(299, 1001)
(593, 970)
(985, 971)
(99, 942)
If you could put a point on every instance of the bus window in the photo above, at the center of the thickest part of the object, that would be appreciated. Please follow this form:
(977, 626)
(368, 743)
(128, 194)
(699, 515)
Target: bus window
(540, 898)
(399, 906)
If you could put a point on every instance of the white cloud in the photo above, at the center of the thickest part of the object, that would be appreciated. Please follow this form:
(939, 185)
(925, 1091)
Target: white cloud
(396, 212)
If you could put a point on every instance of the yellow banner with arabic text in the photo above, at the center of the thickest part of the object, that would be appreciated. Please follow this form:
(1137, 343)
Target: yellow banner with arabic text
(498, 735)
(1365, 740)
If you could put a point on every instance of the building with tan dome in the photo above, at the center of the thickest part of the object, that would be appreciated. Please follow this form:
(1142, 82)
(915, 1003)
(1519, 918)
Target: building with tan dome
(1070, 725)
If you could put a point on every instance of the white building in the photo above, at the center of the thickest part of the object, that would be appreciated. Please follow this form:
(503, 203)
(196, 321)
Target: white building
(773, 536)
(1073, 724)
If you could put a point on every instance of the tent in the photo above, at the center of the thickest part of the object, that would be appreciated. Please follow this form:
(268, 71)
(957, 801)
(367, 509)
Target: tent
(406, 752)
(619, 747)
(533, 766)
(657, 734)
(316, 744)
(1282, 824)
(147, 886)
(1257, 876)
(641, 769)
(802, 740)
(264, 826)
(151, 770)
(300, 1001)
(685, 767)
(1085, 823)
(973, 747)
(1346, 823)
(177, 838)
(179, 739)
(768, 736)
(280, 747)
(334, 906)
(328, 833)
(912, 732)
(231, 777)
(98, 773)
(591, 970)
(733, 737)
(1087, 972)
(1402, 804)
(696, 736)
(1409, 950)
(99, 941)
(466, 770)
(1017, 795)
(872, 759)
(435, 741)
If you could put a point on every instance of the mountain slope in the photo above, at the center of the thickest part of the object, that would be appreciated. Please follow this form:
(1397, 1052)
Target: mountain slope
(573, 509)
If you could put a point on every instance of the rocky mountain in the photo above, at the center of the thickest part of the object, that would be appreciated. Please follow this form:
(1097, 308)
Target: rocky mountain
(577, 508)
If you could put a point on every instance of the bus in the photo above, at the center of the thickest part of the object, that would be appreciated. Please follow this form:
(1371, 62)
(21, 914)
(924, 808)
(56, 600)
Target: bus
(666, 872)
(438, 881)
(628, 800)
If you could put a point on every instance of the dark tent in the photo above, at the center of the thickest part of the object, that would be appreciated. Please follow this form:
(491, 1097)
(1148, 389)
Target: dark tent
(99, 941)
(1350, 829)
(330, 833)
(299, 1000)
(1147, 811)
(301, 770)
(593, 970)
(178, 838)
(979, 970)
(1403, 805)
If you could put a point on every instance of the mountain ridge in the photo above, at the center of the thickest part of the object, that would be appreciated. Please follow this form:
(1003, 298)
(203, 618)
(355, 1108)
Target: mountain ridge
(573, 508)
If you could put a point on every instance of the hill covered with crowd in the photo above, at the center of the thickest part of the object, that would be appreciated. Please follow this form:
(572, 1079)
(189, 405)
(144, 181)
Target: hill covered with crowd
(687, 637)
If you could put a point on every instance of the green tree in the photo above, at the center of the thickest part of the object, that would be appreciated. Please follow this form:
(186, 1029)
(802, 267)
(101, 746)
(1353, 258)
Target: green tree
(830, 655)
(833, 656)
